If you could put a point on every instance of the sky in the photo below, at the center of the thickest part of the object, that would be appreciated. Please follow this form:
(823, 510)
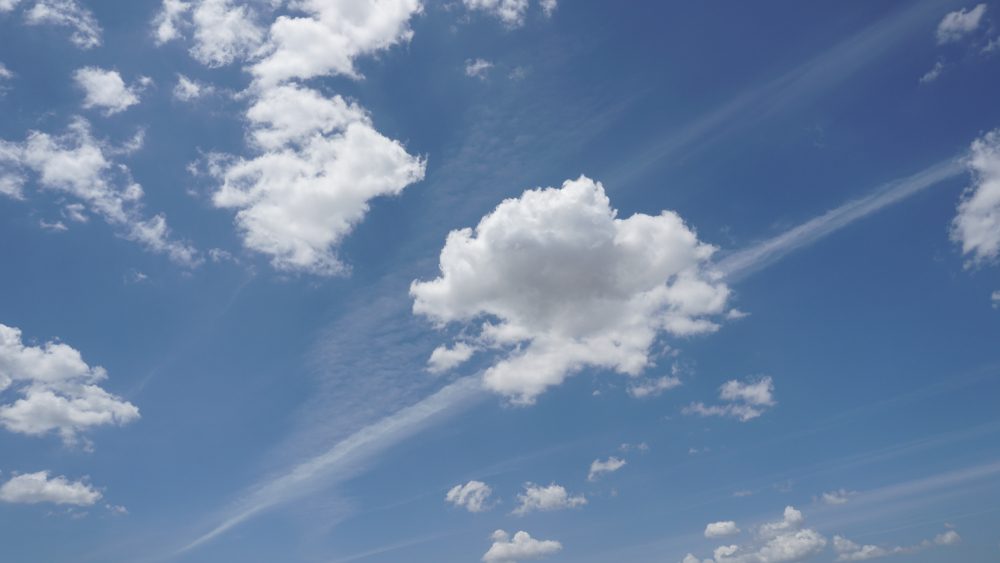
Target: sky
(499, 280)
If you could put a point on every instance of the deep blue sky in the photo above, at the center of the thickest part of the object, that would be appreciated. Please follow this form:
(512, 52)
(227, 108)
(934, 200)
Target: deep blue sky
(746, 119)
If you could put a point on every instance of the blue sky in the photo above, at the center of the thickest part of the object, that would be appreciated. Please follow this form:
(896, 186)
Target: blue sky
(499, 280)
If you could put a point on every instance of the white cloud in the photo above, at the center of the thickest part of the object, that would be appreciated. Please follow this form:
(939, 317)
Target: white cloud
(473, 496)
(105, 89)
(995, 299)
(960, 23)
(721, 529)
(8, 5)
(560, 283)
(76, 164)
(320, 164)
(745, 400)
(330, 36)
(444, 358)
(933, 74)
(477, 68)
(549, 6)
(67, 13)
(653, 387)
(553, 497)
(224, 32)
(522, 546)
(169, 19)
(782, 541)
(187, 90)
(838, 497)
(848, 550)
(34, 488)
(977, 224)
(598, 467)
(510, 12)
(58, 391)
(5, 75)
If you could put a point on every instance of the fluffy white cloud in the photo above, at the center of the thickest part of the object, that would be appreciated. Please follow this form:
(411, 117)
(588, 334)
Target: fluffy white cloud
(977, 225)
(34, 488)
(720, 529)
(559, 283)
(106, 89)
(320, 164)
(473, 496)
(553, 497)
(78, 165)
(510, 12)
(838, 497)
(598, 467)
(477, 68)
(187, 90)
(653, 387)
(67, 13)
(8, 5)
(167, 23)
(960, 23)
(933, 74)
(5, 73)
(444, 358)
(848, 550)
(522, 546)
(58, 391)
(224, 32)
(782, 541)
(330, 35)
(745, 400)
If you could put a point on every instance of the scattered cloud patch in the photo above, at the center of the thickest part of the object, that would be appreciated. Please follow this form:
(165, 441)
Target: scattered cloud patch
(553, 497)
(599, 468)
(86, 32)
(224, 32)
(744, 400)
(995, 299)
(549, 7)
(477, 68)
(169, 20)
(58, 392)
(35, 488)
(837, 497)
(444, 358)
(782, 541)
(959, 24)
(653, 387)
(721, 529)
(556, 282)
(848, 550)
(933, 74)
(106, 90)
(473, 496)
(507, 549)
(188, 90)
(976, 226)
(510, 12)
(77, 164)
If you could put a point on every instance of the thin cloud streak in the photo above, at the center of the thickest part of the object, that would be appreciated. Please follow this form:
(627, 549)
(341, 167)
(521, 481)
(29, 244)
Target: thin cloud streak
(348, 457)
(741, 263)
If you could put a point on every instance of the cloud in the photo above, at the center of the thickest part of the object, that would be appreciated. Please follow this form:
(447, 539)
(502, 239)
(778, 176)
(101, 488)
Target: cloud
(933, 74)
(319, 165)
(557, 282)
(472, 496)
(78, 165)
(58, 391)
(549, 6)
(848, 550)
(522, 546)
(444, 358)
(67, 13)
(169, 19)
(995, 299)
(958, 24)
(977, 224)
(782, 541)
(34, 488)
(477, 68)
(720, 529)
(553, 497)
(223, 32)
(838, 497)
(330, 36)
(187, 90)
(653, 387)
(745, 400)
(510, 12)
(598, 467)
(106, 89)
